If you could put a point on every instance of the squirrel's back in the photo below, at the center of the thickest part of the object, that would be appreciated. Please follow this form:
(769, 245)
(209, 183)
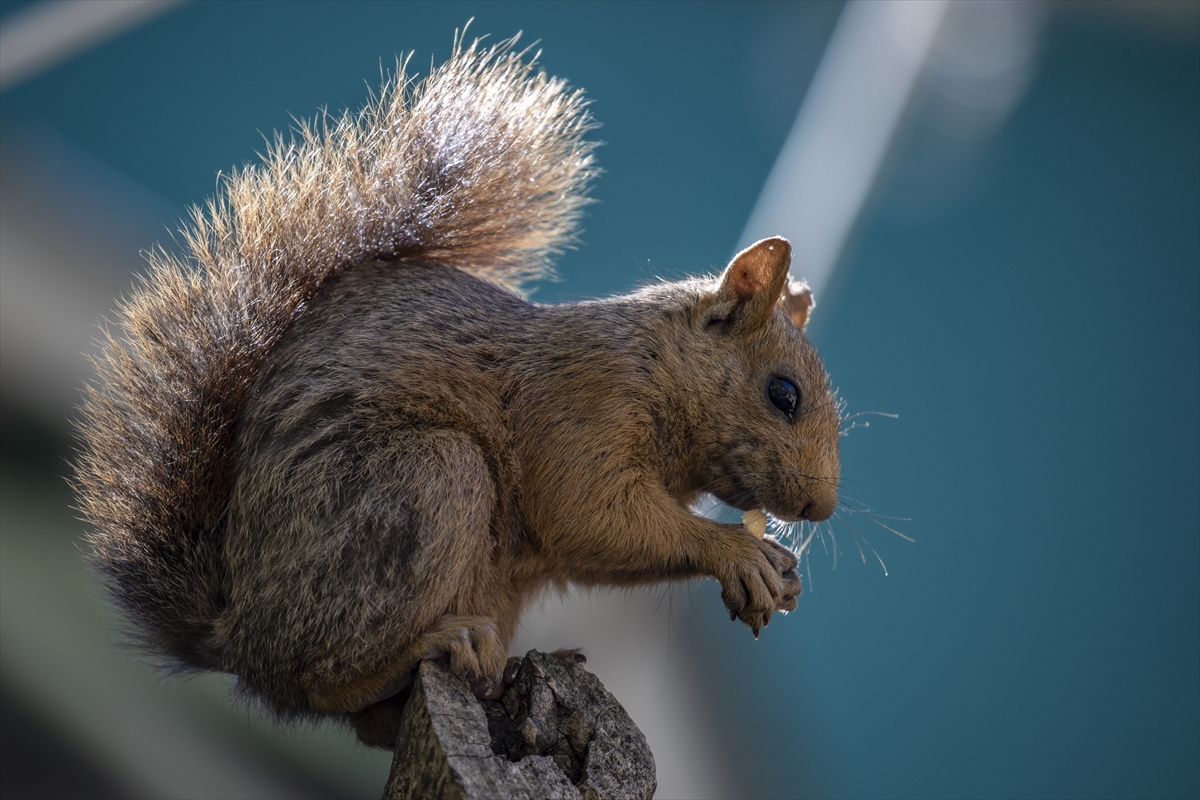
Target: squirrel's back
(481, 166)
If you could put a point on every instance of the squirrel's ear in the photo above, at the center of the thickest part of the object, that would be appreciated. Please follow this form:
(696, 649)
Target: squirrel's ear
(754, 281)
(797, 302)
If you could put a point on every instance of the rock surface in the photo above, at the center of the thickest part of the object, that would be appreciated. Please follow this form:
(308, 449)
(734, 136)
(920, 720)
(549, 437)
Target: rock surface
(556, 733)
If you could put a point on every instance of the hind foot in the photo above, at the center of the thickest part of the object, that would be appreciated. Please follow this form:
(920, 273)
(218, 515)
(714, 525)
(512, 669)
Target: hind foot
(473, 644)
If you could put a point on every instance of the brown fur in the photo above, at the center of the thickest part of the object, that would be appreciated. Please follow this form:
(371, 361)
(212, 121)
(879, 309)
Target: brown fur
(313, 477)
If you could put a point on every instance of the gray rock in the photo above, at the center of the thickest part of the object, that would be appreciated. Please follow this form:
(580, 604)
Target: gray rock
(556, 733)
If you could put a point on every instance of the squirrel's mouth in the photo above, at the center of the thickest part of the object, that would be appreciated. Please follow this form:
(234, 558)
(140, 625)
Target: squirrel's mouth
(809, 506)
(755, 521)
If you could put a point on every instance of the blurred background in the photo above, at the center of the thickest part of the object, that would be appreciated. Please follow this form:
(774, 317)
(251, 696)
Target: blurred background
(999, 207)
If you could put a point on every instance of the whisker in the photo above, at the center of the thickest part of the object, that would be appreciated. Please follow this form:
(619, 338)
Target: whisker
(799, 536)
(658, 603)
(874, 517)
(880, 560)
(831, 546)
(808, 565)
(856, 536)
(807, 541)
(890, 528)
(692, 598)
(869, 414)
(866, 510)
(843, 418)
(855, 539)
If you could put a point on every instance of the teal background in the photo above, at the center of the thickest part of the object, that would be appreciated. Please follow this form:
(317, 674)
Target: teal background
(1040, 340)
(1031, 313)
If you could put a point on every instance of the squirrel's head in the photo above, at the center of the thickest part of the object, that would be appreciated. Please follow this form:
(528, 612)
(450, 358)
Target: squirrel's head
(763, 421)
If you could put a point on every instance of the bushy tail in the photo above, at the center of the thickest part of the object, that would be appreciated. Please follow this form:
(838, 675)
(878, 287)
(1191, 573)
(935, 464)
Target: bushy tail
(482, 165)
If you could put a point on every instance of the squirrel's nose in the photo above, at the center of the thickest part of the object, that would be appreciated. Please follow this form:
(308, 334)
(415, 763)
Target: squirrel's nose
(820, 508)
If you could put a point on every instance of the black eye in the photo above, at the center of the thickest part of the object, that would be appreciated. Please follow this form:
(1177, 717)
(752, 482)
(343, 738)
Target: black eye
(784, 395)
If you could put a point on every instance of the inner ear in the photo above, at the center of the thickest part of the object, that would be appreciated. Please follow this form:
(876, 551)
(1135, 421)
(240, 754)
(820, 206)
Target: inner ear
(754, 281)
(797, 302)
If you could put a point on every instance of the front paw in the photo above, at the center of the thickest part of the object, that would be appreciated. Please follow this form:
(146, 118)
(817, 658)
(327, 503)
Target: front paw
(764, 580)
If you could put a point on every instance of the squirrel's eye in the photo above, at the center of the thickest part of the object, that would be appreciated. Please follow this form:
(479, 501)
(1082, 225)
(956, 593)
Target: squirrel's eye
(784, 395)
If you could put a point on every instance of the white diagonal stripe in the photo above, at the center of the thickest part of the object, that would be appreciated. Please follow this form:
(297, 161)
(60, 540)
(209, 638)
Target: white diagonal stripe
(43, 34)
(845, 126)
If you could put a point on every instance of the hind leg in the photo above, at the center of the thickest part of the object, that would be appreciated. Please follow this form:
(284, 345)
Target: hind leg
(472, 642)
(441, 600)
(475, 651)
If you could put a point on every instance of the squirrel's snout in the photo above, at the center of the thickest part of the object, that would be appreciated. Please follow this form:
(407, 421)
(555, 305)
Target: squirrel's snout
(819, 509)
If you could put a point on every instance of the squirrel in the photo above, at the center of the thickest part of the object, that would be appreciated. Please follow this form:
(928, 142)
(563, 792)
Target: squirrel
(335, 440)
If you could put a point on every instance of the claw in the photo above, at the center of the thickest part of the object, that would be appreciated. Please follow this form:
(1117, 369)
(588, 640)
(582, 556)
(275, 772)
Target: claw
(512, 671)
(571, 654)
(487, 689)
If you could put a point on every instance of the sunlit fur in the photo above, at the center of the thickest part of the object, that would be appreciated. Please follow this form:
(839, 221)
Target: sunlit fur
(312, 477)
(482, 165)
